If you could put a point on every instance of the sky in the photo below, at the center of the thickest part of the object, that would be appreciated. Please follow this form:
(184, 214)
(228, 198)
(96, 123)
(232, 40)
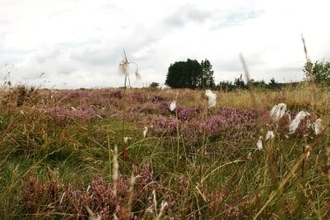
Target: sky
(68, 44)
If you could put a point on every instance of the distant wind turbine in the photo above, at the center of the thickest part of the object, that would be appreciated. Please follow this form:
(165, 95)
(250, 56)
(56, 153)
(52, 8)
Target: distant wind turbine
(124, 70)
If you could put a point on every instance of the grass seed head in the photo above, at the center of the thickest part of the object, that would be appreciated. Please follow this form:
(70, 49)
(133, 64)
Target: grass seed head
(259, 143)
(126, 139)
(115, 171)
(173, 106)
(145, 131)
(278, 111)
(270, 135)
(212, 98)
(308, 150)
(318, 127)
(296, 121)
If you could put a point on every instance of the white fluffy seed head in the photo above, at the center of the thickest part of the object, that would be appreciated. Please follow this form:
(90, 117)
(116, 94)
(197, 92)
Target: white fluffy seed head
(270, 135)
(126, 139)
(173, 106)
(318, 127)
(296, 121)
(145, 131)
(278, 111)
(259, 143)
(307, 150)
(212, 98)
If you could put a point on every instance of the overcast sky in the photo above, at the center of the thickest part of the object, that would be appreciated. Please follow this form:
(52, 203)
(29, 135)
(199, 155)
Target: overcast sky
(79, 43)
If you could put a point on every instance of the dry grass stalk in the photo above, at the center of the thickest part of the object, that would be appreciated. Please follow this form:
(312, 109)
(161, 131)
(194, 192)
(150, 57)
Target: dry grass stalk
(249, 83)
(115, 171)
(310, 75)
(271, 163)
(126, 211)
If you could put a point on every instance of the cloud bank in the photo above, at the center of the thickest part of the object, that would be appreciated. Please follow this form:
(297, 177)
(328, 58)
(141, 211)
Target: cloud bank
(79, 43)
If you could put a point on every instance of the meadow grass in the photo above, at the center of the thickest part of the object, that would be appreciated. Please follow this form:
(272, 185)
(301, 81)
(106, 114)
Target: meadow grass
(58, 157)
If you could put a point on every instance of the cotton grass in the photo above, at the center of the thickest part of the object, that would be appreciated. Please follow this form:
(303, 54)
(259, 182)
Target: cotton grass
(173, 106)
(259, 143)
(270, 135)
(125, 70)
(318, 127)
(145, 131)
(296, 121)
(212, 98)
(278, 111)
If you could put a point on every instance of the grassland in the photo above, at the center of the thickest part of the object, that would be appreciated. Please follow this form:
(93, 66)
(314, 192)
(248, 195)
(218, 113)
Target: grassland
(79, 154)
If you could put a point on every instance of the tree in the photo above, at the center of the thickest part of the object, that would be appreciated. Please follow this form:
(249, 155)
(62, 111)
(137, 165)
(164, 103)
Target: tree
(154, 85)
(318, 71)
(239, 83)
(190, 74)
(259, 84)
(226, 86)
(273, 84)
(124, 70)
(207, 77)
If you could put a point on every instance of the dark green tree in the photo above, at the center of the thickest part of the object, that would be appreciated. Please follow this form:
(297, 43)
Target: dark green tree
(207, 77)
(318, 71)
(273, 84)
(239, 83)
(190, 74)
(176, 75)
(259, 84)
(226, 86)
(154, 85)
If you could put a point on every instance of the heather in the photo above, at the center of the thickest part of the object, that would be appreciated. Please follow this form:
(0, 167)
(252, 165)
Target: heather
(82, 154)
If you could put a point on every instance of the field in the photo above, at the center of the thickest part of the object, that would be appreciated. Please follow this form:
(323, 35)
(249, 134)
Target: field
(123, 154)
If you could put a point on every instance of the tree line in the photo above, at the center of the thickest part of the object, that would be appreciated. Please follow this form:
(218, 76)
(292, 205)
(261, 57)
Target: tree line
(194, 75)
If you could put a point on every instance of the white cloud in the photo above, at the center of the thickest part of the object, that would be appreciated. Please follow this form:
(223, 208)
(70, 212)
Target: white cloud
(80, 42)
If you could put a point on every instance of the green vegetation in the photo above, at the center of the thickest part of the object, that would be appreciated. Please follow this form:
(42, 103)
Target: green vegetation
(320, 72)
(190, 74)
(79, 154)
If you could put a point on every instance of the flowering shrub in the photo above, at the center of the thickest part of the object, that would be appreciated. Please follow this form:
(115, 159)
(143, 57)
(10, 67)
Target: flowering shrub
(227, 124)
(164, 125)
(188, 113)
(63, 115)
(54, 197)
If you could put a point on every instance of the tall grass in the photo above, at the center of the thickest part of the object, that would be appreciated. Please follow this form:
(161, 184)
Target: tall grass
(63, 155)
